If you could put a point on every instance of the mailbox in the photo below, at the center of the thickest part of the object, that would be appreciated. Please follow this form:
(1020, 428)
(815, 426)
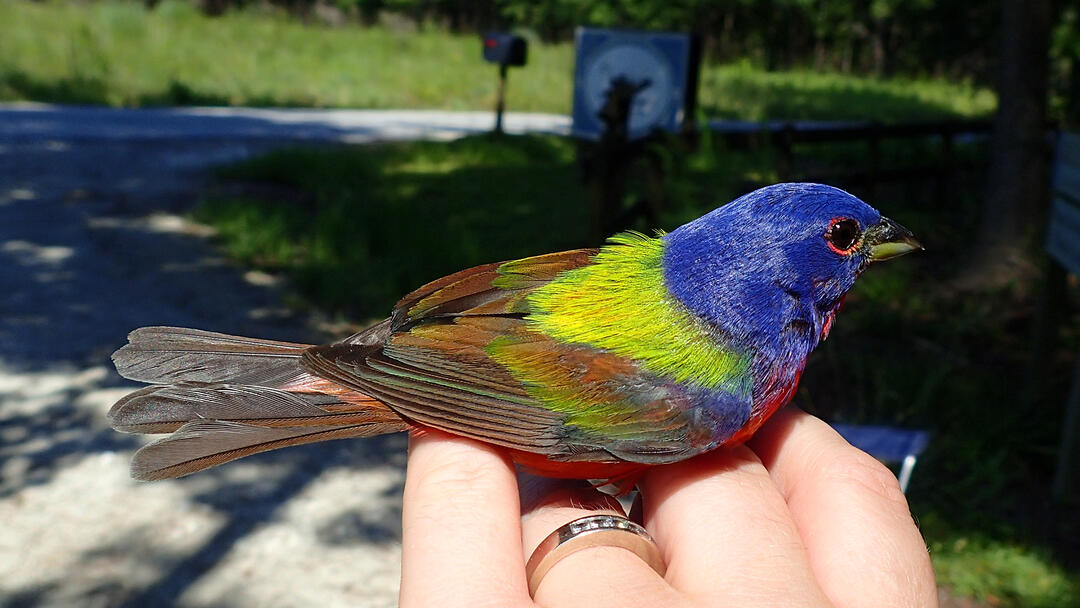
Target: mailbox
(504, 48)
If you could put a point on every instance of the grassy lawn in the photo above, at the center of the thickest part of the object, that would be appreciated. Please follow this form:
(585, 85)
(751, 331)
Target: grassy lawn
(120, 54)
(359, 227)
(355, 228)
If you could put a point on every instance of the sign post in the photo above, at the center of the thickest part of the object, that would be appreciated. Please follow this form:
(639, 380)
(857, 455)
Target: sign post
(630, 87)
(504, 49)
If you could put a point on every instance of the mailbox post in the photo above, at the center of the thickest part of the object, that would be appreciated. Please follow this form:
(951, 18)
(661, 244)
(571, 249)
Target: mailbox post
(504, 49)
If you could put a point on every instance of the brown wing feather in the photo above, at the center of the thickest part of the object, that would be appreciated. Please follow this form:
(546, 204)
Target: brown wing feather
(491, 289)
(459, 404)
(447, 380)
(438, 375)
(436, 368)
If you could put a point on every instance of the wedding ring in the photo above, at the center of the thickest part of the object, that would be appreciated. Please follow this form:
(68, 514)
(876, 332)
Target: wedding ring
(592, 531)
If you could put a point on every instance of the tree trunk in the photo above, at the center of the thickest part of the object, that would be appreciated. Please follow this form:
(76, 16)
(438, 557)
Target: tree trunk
(727, 36)
(819, 54)
(877, 43)
(1017, 181)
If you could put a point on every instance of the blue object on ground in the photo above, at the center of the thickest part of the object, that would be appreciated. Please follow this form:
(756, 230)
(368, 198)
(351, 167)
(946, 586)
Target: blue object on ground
(888, 444)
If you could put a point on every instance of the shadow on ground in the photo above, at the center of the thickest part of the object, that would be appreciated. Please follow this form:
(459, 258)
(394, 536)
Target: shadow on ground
(92, 246)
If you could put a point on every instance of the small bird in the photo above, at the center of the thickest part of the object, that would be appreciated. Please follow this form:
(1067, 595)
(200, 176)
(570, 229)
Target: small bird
(587, 364)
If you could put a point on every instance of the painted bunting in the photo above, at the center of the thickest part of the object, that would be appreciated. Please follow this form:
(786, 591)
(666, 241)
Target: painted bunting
(591, 364)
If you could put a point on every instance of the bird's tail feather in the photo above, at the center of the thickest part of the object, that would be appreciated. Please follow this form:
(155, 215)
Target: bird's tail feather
(201, 444)
(166, 408)
(224, 397)
(166, 355)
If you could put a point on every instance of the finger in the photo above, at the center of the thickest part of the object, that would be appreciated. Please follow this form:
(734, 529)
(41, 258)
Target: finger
(726, 533)
(863, 545)
(596, 576)
(461, 534)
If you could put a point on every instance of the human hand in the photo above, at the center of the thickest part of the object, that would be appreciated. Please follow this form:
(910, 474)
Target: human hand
(797, 517)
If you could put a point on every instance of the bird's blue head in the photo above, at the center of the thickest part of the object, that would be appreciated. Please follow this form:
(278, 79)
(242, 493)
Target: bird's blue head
(770, 268)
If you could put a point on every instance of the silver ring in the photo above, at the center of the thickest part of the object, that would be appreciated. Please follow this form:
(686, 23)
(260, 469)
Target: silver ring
(592, 531)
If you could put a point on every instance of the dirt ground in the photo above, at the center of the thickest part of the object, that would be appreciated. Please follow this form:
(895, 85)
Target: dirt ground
(92, 245)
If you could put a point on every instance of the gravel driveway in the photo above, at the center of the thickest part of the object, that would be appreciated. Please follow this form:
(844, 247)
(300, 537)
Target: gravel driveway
(92, 245)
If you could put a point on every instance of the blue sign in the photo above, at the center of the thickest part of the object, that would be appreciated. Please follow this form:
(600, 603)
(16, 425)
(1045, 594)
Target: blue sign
(659, 62)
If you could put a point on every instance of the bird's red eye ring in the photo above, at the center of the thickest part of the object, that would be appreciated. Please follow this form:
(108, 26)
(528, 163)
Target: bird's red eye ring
(842, 235)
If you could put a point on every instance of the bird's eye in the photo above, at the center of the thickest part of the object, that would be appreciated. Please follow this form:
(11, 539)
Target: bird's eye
(842, 235)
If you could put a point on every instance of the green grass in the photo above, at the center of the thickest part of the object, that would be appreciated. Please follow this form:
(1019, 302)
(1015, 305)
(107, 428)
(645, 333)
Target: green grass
(998, 570)
(120, 54)
(355, 228)
(741, 91)
(377, 222)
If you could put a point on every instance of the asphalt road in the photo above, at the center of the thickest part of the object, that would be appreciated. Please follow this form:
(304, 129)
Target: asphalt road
(33, 121)
(93, 243)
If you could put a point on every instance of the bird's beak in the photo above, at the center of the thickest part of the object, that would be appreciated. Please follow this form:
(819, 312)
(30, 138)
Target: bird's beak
(887, 239)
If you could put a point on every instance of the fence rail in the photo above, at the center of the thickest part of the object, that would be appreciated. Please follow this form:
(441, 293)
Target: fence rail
(784, 135)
